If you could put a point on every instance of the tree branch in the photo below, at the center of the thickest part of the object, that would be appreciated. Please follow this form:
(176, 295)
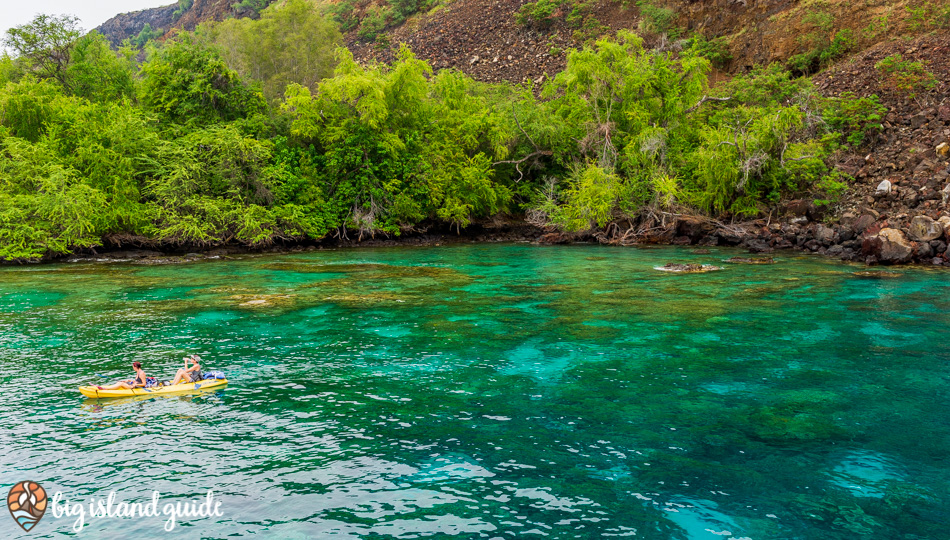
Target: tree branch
(704, 100)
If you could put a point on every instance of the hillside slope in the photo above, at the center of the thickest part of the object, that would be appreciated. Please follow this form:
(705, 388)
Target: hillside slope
(483, 38)
(128, 25)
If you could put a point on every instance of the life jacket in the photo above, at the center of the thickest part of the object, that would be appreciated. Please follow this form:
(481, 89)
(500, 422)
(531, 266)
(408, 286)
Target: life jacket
(213, 375)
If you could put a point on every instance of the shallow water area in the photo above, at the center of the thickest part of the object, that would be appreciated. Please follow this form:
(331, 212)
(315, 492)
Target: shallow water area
(488, 391)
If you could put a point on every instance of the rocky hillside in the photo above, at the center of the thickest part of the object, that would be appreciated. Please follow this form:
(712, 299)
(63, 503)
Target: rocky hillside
(899, 206)
(484, 39)
(897, 209)
(128, 25)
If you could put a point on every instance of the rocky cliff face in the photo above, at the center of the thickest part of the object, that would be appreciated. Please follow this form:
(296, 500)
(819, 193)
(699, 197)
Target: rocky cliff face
(128, 25)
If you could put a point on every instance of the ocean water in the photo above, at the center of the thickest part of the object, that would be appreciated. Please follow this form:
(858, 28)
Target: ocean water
(487, 391)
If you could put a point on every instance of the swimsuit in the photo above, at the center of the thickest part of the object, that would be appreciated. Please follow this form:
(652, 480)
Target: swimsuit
(149, 382)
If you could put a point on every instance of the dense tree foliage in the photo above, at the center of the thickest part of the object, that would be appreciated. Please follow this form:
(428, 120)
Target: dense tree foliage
(290, 43)
(44, 44)
(184, 148)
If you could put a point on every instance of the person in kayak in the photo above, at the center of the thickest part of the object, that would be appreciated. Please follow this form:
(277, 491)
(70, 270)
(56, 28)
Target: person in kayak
(189, 374)
(140, 380)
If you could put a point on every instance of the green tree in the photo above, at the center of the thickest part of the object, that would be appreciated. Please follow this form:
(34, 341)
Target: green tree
(626, 107)
(45, 43)
(400, 145)
(292, 42)
(188, 82)
(98, 73)
(147, 34)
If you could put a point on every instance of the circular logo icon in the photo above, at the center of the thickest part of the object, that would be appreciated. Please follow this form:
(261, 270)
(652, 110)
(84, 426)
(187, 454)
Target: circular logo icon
(27, 504)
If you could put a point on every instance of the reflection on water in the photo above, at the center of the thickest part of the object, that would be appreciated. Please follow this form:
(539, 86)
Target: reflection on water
(490, 392)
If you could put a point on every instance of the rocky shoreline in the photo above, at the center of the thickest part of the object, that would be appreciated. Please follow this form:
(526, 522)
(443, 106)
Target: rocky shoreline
(855, 239)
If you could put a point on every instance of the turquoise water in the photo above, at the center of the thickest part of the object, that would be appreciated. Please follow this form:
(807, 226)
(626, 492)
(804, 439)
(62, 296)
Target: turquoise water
(488, 391)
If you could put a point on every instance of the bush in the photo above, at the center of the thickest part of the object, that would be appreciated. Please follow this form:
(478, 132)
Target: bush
(842, 43)
(823, 46)
(540, 14)
(376, 20)
(930, 14)
(147, 34)
(183, 6)
(906, 74)
(344, 13)
(248, 6)
(292, 42)
(765, 86)
(716, 50)
(188, 82)
(858, 119)
(657, 19)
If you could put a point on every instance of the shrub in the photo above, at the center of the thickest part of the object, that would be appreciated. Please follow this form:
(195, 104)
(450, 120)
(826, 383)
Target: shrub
(183, 6)
(376, 20)
(147, 34)
(716, 50)
(344, 14)
(823, 46)
(876, 28)
(657, 19)
(841, 44)
(188, 82)
(253, 6)
(858, 119)
(906, 74)
(540, 14)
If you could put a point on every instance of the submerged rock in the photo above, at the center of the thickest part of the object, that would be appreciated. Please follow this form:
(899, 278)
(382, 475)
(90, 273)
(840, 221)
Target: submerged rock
(750, 260)
(876, 274)
(687, 268)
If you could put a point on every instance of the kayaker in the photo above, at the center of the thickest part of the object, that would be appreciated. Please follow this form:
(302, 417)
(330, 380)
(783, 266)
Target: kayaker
(189, 374)
(140, 380)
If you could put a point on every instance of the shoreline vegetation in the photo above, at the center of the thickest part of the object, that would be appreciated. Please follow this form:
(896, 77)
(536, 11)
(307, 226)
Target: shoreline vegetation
(266, 132)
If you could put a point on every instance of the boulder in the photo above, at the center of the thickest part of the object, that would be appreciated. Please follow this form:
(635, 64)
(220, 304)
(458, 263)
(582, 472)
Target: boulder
(883, 188)
(943, 150)
(889, 246)
(693, 228)
(862, 223)
(944, 222)
(825, 235)
(924, 229)
(798, 207)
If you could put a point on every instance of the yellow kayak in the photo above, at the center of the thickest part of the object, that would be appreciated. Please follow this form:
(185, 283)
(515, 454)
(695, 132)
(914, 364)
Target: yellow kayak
(93, 392)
